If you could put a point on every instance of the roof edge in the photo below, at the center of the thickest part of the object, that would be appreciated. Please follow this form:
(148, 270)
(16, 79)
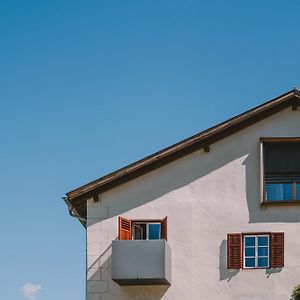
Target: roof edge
(186, 146)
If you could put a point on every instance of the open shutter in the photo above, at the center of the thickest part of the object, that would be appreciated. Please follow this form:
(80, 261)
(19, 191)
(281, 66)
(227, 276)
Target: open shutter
(234, 250)
(125, 231)
(276, 249)
(164, 229)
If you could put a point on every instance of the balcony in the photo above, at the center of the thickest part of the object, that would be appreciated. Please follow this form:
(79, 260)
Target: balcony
(141, 262)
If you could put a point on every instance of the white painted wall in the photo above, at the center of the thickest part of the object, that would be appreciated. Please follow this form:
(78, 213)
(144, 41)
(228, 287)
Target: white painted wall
(205, 196)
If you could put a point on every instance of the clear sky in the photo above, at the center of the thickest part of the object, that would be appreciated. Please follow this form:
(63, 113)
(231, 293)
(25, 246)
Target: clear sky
(87, 87)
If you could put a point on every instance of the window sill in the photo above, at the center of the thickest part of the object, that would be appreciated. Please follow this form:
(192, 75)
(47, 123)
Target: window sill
(262, 268)
(282, 203)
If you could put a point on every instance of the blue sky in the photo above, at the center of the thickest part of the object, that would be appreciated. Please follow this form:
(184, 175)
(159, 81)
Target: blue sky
(87, 87)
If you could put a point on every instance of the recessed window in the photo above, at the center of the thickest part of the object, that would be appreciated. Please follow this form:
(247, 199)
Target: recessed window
(142, 229)
(256, 251)
(281, 170)
(146, 231)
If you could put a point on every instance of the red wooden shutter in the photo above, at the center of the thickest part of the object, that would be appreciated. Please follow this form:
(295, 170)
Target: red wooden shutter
(164, 229)
(125, 231)
(234, 250)
(276, 249)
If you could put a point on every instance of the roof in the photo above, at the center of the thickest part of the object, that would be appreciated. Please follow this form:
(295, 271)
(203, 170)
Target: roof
(77, 198)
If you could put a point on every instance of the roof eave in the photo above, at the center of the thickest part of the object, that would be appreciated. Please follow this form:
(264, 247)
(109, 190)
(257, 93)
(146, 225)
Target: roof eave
(182, 148)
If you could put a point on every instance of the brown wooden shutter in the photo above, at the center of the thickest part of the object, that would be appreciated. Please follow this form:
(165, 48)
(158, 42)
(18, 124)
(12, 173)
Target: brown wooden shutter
(234, 250)
(164, 229)
(276, 249)
(125, 229)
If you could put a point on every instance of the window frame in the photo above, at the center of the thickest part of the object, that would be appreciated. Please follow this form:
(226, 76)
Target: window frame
(235, 252)
(256, 246)
(147, 229)
(263, 200)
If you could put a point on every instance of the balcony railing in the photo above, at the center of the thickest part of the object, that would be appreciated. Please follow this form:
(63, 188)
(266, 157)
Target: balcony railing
(282, 187)
(141, 262)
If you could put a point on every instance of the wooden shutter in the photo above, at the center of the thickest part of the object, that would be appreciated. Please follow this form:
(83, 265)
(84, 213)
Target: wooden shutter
(164, 229)
(125, 229)
(276, 249)
(234, 250)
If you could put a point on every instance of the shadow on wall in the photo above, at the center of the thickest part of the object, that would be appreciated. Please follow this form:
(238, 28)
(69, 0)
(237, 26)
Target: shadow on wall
(224, 273)
(103, 260)
(170, 178)
(115, 291)
(175, 176)
(269, 272)
(188, 169)
(145, 292)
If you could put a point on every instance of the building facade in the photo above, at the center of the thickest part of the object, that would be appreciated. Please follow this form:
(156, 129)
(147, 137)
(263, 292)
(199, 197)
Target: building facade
(215, 216)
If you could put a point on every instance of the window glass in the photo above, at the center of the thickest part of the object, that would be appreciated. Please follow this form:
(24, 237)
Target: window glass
(262, 251)
(279, 191)
(146, 231)
(298, 191)
(263, 262)
(263, 240)
(154, 231)
(249, 241)
(250, 251)
(139, 231)
(256, 251)
(250, 262)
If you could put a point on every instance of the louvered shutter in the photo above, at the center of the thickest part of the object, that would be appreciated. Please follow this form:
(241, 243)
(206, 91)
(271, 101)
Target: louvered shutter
(276, 249)
(164, 229)
(234, 250)
(125, 231)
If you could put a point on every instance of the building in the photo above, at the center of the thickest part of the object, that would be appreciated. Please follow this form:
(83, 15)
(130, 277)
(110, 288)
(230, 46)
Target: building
(215, 216)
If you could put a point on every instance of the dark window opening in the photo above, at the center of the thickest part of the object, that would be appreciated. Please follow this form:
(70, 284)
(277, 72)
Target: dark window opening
(281, 171)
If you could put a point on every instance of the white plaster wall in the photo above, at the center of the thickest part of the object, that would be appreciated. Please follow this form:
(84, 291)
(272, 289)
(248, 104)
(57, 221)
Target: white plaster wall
(205, 196)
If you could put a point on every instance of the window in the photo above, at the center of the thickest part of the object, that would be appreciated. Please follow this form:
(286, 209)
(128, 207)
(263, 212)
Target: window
(142, 229)
(255, 251)
(281, 169)
(146, 231)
